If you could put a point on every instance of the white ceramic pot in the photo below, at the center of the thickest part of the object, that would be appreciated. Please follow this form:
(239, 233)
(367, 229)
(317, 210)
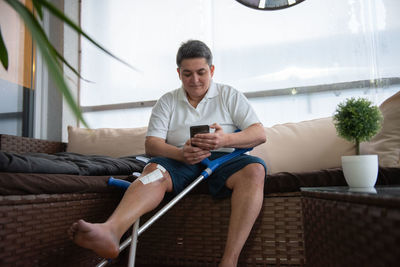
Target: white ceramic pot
(361, 170)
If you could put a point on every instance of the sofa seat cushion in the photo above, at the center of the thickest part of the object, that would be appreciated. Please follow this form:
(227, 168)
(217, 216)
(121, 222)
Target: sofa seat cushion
(42, 183)
(284, 182)
(69, 163)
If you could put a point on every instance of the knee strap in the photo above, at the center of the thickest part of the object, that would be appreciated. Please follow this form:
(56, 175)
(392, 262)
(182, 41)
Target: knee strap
(154, 175)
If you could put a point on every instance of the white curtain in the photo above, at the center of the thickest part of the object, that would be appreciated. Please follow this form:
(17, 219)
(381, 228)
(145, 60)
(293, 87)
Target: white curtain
(316, 42)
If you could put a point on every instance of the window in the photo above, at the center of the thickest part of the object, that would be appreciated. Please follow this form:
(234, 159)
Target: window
(16, 96)
(293, 64)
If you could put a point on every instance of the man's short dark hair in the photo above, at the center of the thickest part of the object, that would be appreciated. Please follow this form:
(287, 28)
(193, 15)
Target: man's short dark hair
(193, 49)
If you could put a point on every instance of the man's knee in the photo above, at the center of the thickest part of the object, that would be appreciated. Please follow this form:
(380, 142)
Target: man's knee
(255, 173)
(252, 174)
(155, 173)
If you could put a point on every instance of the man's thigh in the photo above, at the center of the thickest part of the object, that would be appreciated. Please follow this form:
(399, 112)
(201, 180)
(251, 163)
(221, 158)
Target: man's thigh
(181, 174)
(217, 181)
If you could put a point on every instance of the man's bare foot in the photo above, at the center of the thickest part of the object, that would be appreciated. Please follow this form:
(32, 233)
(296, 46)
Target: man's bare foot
(96, 237)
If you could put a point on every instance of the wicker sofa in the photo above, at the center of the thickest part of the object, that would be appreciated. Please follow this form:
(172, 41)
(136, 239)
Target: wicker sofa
(34, 223)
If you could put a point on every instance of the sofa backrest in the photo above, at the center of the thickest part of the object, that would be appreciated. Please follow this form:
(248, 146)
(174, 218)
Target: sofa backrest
(290, 147)
(386, 144)
(113, 142)
(303, 146)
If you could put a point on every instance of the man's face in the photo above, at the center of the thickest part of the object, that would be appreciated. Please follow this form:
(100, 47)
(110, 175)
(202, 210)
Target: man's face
(196, 76)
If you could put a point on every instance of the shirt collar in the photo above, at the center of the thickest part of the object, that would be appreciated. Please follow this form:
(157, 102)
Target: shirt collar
(211, 92)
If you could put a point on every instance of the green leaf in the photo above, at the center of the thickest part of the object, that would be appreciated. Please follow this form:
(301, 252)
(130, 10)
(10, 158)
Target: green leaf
(48, 54)
(56, 12)
(69, 65)
(38, 7)
(50, 46)
(3, 52)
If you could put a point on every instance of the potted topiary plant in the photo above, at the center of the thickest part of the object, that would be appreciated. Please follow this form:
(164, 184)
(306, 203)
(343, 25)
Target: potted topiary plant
(358, 120)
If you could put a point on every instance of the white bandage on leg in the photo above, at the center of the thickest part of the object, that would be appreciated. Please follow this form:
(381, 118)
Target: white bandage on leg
(154, 175)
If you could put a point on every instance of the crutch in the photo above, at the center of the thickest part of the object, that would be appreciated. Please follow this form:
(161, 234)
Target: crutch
(212, 165)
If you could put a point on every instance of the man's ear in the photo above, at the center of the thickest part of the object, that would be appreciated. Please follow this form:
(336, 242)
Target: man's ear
(212, 70)
(179, 72)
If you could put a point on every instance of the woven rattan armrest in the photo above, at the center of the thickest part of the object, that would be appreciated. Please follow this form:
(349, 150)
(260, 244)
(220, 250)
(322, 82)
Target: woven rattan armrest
(18, 144)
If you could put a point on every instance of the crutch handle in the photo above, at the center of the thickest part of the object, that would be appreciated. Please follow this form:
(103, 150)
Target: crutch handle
(213, 164)
(118, 182)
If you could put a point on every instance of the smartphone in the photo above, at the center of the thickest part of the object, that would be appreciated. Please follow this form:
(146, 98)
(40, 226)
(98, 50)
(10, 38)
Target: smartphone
(198, 129)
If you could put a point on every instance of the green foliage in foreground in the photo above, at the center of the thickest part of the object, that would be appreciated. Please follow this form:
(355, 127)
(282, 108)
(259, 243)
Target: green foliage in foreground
(50, 55)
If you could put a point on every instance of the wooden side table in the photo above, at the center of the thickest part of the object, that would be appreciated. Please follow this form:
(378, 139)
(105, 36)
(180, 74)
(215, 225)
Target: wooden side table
(345, 228)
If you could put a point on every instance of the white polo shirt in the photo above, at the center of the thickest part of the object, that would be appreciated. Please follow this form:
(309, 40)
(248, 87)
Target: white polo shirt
(173, 115)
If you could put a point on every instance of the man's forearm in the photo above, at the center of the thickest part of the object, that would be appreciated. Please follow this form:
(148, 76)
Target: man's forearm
(157, 147)
(252, 136)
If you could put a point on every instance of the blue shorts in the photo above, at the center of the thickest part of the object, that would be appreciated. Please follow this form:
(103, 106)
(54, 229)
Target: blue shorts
(183, 174)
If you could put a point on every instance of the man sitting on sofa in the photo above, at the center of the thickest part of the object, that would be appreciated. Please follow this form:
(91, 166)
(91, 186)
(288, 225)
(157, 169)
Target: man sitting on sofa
(177, 157)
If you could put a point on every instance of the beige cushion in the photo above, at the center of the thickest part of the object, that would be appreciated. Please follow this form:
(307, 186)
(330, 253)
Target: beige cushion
(303, 146)
(114, 142)
(386, 144)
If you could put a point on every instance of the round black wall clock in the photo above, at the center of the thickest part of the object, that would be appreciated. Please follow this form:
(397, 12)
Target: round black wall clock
(269, 4)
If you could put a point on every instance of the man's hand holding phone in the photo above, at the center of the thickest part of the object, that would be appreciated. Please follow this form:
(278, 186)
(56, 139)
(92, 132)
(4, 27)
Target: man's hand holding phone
(198, 129)
(206, 140)
(193, 154)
